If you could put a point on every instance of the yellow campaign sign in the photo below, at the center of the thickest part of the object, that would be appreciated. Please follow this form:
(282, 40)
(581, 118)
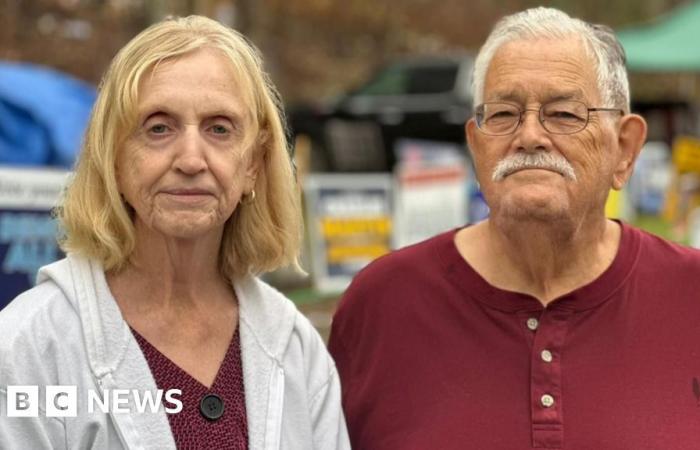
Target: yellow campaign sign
(350, 224)
(686, 154)
(336, 227)
(355, 238)
(340, 254)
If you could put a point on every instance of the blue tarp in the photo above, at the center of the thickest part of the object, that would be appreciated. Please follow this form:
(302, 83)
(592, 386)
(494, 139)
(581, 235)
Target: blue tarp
(43, 114)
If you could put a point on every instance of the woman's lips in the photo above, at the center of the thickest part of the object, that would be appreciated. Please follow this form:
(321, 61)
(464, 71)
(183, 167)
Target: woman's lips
(188, 195)
(187, 192)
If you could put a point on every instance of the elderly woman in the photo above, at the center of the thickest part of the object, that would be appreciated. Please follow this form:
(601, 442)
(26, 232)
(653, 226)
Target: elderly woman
(183, 192)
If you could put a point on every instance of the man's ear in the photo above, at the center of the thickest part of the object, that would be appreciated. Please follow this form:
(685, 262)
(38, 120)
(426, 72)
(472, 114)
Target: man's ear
(470, 131)
(633, 133)
(474, 142)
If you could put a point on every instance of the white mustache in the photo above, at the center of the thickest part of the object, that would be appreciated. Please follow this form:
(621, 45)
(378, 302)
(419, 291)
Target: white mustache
(540, 160)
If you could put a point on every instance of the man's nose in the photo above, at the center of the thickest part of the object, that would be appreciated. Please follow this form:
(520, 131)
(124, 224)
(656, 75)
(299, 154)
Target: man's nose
(531, 134)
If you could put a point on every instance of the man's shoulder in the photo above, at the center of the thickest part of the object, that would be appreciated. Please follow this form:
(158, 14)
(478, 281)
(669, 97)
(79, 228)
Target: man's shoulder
(414, 260)
(397, 276)
(661, 252)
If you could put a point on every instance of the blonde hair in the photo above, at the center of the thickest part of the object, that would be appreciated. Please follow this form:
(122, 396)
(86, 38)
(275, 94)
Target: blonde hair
(259, 236)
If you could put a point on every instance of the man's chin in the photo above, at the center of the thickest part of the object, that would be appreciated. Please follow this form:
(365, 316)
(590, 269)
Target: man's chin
(540, 202)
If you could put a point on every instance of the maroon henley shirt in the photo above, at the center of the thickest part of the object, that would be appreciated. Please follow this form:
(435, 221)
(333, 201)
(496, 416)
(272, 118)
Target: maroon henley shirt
(433, 357)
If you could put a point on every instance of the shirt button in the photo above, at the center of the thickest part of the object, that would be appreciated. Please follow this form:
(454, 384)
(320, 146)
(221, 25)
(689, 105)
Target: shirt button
(532, 323)
(211, 407)
(546, 356)
(547, 401)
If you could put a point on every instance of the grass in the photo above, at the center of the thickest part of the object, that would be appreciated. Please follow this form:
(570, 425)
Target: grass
(658, 226)
(310, 295)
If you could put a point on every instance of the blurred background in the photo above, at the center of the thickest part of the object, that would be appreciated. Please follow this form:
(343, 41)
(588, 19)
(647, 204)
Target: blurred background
(376, 94)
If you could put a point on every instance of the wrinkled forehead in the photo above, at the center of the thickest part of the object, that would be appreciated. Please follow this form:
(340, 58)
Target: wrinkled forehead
(540, 70)
(235, 73)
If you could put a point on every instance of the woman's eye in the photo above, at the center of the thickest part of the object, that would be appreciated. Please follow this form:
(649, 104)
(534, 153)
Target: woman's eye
(219, 129)
(158, 128)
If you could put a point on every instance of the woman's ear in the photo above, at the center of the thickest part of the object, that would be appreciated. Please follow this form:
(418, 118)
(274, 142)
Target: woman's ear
(631, 138)
(256, 160)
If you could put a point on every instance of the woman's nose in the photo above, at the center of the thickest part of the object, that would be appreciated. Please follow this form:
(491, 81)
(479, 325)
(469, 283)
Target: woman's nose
(190, 157)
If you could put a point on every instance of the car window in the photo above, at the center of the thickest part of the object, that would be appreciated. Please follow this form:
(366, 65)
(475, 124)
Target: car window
(412, 80)
(431, 80)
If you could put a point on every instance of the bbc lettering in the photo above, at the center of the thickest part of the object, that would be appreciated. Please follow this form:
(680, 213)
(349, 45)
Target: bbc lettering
(62, 401)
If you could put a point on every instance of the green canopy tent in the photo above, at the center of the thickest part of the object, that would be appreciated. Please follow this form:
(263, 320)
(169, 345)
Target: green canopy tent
(670, 44)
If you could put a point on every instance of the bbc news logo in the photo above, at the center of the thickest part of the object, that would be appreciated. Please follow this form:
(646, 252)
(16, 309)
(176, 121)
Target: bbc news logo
(62, 401)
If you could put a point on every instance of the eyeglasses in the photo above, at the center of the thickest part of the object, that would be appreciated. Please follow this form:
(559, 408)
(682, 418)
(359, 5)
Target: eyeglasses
(559, 117)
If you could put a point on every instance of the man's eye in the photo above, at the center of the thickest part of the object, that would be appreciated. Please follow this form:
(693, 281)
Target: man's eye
(501, 115)
(565, 115)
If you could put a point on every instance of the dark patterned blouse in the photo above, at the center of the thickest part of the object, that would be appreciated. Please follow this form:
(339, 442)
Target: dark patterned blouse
(211, 418)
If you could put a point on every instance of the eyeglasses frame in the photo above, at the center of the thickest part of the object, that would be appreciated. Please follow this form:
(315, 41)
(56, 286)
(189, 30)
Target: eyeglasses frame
(540, 119)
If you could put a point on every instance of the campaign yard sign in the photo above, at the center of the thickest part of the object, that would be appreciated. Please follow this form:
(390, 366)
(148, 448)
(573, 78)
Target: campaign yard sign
(349, 219)
(28, 229)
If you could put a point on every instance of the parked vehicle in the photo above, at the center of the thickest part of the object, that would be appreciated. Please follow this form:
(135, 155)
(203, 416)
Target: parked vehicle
(418, 98)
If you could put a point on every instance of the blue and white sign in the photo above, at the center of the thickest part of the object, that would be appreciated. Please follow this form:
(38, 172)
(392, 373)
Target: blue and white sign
(27, 229)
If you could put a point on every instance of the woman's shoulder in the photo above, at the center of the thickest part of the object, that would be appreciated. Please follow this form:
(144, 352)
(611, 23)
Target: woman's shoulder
(263, 306)
(270, 314)
(48, 301)
(279, 325)
(38, 328)
(36, 311)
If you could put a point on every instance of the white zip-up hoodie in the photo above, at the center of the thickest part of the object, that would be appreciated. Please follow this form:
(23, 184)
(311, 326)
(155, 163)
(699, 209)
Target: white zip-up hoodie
(68, 330)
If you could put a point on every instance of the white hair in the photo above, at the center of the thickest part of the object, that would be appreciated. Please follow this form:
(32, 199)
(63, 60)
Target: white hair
(549, 23)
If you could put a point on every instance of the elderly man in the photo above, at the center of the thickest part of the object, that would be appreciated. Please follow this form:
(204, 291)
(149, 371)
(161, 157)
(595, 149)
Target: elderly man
(546, 325)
